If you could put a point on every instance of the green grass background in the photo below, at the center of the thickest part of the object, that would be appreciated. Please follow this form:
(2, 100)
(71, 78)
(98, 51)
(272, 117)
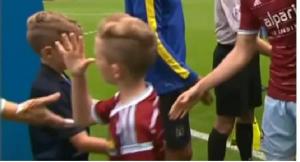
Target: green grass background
(200, 39)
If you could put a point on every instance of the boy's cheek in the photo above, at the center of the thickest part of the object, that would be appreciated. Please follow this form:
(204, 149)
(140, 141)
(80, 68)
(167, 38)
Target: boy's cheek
(107, 75)
(104, 71)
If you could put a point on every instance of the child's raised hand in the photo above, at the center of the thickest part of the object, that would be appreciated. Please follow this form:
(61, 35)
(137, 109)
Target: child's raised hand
(72, 49)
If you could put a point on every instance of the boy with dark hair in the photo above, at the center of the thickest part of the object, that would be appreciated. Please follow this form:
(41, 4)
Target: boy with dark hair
(125, 48)
(44, 28)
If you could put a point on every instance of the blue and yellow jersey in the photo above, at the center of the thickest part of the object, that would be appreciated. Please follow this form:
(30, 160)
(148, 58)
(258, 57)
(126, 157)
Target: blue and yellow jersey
(165, 17)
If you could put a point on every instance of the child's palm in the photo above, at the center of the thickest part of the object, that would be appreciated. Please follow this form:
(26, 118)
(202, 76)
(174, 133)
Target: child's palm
(77, 65)
(72, 49)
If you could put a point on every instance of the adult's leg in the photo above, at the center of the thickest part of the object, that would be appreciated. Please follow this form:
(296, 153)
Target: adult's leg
(177, 132)
(244, 135)
(218, 137)
(233, 99)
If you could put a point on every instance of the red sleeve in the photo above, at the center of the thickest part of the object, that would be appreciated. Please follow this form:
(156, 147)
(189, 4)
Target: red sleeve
(157, 132)
(102, 109)
(249, 22)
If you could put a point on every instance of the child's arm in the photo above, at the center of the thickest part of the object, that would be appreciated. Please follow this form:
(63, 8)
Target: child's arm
(72, 49)
(86, 143)
(81, 101)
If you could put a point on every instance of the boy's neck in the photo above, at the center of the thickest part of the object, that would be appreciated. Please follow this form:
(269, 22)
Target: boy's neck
(54, 67)
(131, 90)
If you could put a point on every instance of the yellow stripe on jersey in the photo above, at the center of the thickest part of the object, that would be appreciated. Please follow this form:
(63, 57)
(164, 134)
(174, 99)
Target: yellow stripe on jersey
(162, 51)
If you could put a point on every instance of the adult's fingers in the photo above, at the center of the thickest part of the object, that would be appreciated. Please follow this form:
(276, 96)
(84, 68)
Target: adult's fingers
(43, 101)
(38, 102)
(177, 108)
(183, 113)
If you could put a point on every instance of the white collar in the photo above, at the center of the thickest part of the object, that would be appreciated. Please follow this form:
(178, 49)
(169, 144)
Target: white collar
(134, 101)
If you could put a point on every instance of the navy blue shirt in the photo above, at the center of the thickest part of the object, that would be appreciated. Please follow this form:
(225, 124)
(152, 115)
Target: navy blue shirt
(54, 143)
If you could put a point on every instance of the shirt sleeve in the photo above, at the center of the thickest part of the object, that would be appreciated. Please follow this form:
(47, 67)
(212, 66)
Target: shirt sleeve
(232, 12)
(101, 110)
(249, 22)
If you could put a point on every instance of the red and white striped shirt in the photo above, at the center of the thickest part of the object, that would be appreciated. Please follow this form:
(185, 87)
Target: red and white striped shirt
(135, 128)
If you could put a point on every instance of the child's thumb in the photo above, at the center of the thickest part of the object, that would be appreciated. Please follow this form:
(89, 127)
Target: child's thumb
(88, 62)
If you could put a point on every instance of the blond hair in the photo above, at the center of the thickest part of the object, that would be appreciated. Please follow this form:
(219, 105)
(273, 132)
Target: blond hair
(131, 40)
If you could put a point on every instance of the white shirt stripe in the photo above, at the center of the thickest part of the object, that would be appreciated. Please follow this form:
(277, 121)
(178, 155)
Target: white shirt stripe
(124, 133)
(248, 32)
(128, 149)
(132, 132)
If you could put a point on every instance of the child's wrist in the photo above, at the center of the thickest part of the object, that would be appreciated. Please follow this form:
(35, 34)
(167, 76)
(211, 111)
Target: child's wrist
(77, 75)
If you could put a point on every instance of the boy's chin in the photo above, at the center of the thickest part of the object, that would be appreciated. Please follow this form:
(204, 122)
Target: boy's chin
(109, 81)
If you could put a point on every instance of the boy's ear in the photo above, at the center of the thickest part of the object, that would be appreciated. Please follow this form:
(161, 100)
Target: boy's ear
(116, 70)
(47, 51)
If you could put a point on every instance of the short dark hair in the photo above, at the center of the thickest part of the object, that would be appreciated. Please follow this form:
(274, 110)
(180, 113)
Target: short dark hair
(45, 27)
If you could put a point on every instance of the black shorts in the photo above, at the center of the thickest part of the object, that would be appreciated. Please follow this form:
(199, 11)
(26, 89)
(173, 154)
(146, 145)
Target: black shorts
(177, 132)
(242, 93)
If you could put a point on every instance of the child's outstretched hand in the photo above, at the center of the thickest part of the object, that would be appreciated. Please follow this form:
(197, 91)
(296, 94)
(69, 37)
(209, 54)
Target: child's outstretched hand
(72, 49)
